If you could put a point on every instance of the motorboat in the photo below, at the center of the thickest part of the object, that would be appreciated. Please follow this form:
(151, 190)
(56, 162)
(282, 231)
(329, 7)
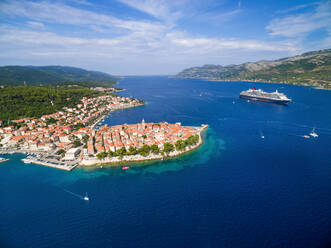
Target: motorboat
(86, 198)
(313, 134)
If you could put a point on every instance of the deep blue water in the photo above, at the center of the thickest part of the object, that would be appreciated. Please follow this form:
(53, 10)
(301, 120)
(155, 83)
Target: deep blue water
(237, 190)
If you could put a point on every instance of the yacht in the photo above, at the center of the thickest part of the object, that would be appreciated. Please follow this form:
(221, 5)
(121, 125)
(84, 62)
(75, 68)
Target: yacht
(86, 198)
(313, 134)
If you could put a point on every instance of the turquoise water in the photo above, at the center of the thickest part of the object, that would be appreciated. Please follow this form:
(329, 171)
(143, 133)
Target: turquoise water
(236, 190)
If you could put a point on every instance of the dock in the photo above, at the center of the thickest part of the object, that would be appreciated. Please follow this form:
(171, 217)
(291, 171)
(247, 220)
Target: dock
(54, 164)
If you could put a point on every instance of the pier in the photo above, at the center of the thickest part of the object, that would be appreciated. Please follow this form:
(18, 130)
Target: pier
(68, 166)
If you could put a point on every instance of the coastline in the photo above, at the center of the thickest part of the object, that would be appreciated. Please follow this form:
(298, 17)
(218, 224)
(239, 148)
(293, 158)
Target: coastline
(41, 157)
(315, 86)
(115, 161)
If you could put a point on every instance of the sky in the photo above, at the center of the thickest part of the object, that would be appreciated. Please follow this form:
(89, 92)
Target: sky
(158, 37)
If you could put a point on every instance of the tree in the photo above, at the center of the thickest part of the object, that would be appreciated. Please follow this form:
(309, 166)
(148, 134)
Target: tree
(51, 121)
(155, 149)
(132, 151)
(167, 147)
(121, 151)
(110, 153)
(77, 143)
(85, 138)
(101, 155)
(144, 150)
(61, 151)
(180, 145)
(78, 126)
(192, 140)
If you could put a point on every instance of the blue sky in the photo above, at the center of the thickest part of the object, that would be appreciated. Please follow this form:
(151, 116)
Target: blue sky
(149, 37)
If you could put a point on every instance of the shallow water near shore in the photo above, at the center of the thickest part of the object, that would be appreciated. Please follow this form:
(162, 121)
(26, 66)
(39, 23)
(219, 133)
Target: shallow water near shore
(237, 190)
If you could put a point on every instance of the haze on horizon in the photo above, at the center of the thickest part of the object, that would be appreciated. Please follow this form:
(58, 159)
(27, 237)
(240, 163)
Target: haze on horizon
(146, 37)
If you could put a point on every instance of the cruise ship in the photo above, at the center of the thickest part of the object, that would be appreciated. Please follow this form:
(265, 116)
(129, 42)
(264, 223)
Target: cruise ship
(260, 95)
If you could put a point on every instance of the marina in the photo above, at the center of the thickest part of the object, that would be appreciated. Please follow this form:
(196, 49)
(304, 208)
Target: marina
(50, 161)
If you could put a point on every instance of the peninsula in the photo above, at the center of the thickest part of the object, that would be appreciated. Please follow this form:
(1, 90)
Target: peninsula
(70, 137)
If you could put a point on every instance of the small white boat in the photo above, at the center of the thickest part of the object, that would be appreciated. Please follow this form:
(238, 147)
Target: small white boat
(262, 136)
(86, 198)
(3, 160)
(306, 136)
(313, 134)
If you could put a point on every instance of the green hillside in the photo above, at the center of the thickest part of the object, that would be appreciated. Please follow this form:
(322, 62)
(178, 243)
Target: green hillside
(312, 68)
(34, 101)
(49, 75)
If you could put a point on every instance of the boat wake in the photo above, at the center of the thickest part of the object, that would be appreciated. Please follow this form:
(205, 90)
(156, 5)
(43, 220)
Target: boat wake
(74, 194)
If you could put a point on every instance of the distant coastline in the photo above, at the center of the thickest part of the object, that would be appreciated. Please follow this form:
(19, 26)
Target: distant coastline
(307, 69)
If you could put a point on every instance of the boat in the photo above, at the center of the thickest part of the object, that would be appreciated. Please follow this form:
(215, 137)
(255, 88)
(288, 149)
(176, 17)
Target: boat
(3, 159)
(262, 136)
(26, 160)
(306, 136)
(86, 198)
(260, 95)
(313, 134)
(125, 167)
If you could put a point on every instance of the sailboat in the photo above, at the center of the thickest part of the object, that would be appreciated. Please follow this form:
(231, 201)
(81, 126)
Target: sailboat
(86, 198)
(313, 134)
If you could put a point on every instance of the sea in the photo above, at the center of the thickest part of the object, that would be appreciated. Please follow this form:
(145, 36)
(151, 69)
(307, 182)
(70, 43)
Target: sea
(255, 182)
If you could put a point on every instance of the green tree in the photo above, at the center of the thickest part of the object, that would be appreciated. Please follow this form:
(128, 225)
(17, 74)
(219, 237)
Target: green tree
(85, 138)
(110, 153)
(168, 147)
(51, 121)
(155, 149)
(101, 155)
(180, 145)
(121, 151)
(132, 151)
(78, 126)
(59, 152)
(77, 143)
(144, 150)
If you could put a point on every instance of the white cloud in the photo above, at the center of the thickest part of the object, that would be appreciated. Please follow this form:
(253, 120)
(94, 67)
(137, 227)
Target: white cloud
(64, 14)
(122, 44)
(295, 8)
(36, 24)
(159, 9)
(302, 24)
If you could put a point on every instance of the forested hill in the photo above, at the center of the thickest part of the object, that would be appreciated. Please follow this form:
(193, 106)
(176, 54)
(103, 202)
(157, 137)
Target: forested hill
(48, 75)
(312, 68)
(34, 101)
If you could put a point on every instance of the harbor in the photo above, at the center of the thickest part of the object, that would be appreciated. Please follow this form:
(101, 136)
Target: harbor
(50, 161)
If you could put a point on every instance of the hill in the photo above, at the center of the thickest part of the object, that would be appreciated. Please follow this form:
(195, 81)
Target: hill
(50, 75)
(312, 68)
(34, 101)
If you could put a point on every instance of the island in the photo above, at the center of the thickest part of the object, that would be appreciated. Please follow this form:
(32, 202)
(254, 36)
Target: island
(74, 136)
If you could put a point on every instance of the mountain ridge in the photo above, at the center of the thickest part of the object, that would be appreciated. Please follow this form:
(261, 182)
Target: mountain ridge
(14, 75)
(310, 68)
